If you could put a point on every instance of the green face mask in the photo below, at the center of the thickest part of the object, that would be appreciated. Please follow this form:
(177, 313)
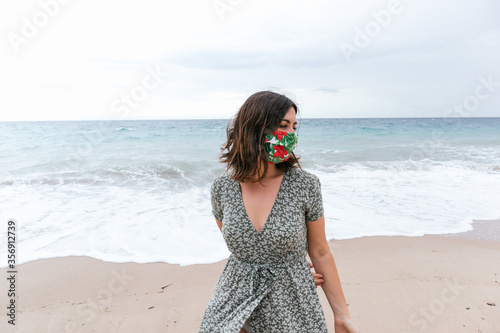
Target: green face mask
(279, 146)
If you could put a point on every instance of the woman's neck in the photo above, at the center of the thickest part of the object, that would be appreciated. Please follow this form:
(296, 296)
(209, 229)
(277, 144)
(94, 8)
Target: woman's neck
(272, 172)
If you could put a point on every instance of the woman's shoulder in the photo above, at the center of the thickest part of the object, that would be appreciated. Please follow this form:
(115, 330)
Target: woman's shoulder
(303, 176)
(221, 180)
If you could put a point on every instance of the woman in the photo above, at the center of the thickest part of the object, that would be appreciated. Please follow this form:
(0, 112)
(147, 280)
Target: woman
(270, 213)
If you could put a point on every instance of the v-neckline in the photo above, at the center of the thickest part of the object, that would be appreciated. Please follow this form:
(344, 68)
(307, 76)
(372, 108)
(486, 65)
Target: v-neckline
(272, 209)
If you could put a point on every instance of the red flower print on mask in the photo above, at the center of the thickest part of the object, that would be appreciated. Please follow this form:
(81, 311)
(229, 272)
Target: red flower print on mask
(280, 151)
(280, 134)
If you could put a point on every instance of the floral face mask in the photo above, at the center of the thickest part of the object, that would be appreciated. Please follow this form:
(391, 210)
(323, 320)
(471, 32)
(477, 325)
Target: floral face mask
(280, 145)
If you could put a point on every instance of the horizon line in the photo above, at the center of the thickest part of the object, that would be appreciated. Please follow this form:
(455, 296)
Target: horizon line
(185, 119)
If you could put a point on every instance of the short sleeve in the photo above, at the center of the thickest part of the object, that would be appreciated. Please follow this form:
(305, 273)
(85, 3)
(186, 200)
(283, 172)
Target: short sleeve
(314, 204)
(215, 197)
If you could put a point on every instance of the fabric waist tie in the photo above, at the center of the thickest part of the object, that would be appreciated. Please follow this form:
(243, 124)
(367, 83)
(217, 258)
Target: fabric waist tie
(262, 278)
(264, 275)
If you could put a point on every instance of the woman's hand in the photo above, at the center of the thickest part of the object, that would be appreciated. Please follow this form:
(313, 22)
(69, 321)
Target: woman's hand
(318, 278)
(345, 325)
(342, 325)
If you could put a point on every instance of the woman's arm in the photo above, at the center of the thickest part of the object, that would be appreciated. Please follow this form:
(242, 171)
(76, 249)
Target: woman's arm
(219, 224)
(323, 261)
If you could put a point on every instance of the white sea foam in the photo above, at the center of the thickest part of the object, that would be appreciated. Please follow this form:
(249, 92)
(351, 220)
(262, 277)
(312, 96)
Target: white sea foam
(146, 199)
(142, 224)
(432, 199)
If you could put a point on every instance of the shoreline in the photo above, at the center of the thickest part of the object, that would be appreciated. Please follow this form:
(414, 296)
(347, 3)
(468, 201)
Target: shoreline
(392, 284)
(486, 230)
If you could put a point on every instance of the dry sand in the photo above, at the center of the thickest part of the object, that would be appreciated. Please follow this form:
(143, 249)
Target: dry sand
(392, 284)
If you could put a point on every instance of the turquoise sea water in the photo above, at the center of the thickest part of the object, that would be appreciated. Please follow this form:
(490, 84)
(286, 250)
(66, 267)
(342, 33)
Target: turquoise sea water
(139, 190)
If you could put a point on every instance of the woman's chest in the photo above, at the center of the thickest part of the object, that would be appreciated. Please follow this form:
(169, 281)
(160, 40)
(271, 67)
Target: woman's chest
(283, 230)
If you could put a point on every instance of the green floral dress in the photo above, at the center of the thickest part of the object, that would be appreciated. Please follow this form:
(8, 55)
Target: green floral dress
(266, 283)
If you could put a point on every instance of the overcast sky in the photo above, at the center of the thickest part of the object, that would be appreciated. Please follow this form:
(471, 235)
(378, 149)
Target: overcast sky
(153, 59)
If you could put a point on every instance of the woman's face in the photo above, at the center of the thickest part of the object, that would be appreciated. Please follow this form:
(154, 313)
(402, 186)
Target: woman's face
(289, 122)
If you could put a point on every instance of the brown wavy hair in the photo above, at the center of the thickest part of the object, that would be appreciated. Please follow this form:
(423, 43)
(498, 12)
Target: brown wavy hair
(244, 151)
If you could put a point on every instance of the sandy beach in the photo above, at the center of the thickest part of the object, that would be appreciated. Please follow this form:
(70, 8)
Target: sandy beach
(392, 284)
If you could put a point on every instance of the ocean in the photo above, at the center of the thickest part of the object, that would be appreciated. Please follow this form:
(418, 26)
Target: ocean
(139, 191)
